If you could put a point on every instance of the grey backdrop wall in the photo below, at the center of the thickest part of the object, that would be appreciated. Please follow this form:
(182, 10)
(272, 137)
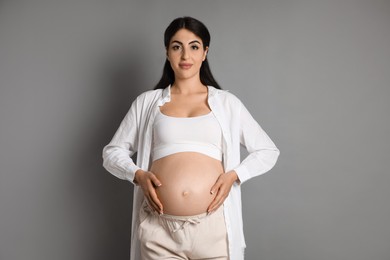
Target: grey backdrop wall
(315, 74)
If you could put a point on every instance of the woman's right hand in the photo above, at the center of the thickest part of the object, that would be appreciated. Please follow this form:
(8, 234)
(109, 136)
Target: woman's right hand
(149, 182)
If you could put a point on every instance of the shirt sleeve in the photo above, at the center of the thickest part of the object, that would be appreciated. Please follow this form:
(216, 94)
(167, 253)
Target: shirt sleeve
(263, 153)
(117, 154)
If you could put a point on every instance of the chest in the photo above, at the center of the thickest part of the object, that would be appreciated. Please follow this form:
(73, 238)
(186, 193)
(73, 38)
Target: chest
(186, 106)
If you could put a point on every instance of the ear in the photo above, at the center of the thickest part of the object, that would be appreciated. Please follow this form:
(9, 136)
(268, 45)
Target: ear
(166, 54)
(205, 53)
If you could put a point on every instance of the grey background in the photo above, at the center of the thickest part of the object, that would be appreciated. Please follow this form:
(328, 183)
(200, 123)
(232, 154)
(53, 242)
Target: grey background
(315, 74)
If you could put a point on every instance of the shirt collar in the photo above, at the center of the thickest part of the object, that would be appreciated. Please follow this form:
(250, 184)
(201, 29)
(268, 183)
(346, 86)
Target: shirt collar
(166, 94)
(212, 91)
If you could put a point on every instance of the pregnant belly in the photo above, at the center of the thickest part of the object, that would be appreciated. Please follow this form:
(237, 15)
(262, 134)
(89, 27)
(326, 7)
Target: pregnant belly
(187, 178)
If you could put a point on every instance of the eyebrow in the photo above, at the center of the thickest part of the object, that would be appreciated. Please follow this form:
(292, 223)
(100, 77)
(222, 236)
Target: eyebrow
(194, 41)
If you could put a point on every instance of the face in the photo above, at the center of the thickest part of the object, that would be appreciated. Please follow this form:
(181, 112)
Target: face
(186, 54)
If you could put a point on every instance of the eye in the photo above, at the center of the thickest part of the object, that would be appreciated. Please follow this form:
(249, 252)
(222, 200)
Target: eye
(175, 47)
(195, 47)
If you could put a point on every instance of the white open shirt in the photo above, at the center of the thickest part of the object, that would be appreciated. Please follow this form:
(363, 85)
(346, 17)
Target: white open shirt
(238, 127)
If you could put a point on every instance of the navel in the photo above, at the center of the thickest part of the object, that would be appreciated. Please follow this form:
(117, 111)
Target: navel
(185, 193)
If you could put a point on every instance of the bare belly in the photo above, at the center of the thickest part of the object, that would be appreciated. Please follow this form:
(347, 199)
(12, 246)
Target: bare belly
(187, 178)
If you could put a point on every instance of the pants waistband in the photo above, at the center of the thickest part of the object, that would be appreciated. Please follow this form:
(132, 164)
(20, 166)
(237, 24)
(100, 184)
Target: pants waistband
(177, 223)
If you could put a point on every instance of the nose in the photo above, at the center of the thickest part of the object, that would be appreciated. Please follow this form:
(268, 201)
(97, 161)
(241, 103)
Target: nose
(185, 54)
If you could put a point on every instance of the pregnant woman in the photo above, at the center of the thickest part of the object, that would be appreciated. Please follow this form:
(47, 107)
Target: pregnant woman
(187, 134)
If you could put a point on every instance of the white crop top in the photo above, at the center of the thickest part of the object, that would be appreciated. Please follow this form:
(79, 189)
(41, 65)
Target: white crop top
(186, 134)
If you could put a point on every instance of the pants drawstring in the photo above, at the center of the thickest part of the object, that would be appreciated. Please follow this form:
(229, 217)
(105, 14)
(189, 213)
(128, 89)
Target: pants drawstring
(185, 223)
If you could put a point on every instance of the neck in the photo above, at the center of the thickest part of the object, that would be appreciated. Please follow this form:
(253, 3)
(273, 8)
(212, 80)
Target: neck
(187, 86)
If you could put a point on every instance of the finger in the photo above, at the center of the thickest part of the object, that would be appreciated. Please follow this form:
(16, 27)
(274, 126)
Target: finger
(211, 207)
(153, 205)
(156, 201)
(155, 181)
(215, 202)
(216, 187)
(150, 194)
(214, 207)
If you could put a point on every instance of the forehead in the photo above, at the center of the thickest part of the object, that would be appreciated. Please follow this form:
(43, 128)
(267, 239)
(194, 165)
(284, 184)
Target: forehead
(185, 36)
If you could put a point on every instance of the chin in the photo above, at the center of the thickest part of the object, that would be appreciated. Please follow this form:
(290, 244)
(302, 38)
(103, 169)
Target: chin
(187, 74)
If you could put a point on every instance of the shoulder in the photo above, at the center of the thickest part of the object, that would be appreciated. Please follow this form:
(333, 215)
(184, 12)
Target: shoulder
(148, 96)
(145, 100)
(225, 96)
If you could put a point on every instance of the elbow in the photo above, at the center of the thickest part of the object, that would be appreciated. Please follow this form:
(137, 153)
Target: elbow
(106, 163)
(274, 157)
(277, 153)
(106, 157)
(270, 158)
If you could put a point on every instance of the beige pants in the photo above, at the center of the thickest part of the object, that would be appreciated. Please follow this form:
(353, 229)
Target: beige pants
(182, 237)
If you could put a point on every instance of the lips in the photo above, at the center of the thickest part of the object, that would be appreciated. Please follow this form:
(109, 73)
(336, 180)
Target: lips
(185, 66)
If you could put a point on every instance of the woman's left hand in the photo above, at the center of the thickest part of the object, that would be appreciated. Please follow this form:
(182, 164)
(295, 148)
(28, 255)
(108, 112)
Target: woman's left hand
(222, 187)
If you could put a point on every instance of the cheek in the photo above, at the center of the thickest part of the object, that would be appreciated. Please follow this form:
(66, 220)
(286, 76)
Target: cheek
(203, 56)
(198, 57)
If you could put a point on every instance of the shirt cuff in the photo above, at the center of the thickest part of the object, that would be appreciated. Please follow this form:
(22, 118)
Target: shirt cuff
(130, 176)
(242, 173)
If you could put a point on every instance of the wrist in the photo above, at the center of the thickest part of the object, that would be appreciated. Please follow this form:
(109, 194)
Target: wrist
(233, 175)
(137, 175)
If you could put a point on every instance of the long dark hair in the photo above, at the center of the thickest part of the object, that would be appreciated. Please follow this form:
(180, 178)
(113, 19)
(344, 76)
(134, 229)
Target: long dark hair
(200, 30)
